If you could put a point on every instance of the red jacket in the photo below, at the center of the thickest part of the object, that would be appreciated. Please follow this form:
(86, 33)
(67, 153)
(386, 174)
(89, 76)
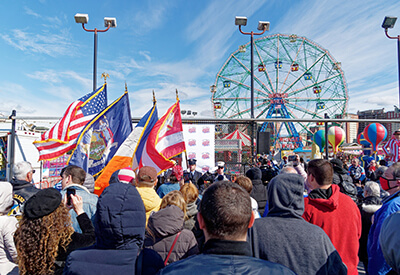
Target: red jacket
(340, 218)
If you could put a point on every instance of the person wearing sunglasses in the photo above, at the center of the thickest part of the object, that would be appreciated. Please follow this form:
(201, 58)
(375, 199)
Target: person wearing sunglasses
(390, 181)
(392, 148)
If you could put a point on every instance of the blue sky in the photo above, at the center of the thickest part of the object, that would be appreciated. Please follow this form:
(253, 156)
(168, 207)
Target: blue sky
(47, 59)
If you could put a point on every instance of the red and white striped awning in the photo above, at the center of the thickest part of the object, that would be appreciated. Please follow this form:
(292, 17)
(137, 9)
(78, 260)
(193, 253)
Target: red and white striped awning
(246, 140)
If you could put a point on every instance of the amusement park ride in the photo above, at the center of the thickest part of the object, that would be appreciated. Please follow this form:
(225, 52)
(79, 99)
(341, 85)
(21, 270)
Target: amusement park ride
(295, 78)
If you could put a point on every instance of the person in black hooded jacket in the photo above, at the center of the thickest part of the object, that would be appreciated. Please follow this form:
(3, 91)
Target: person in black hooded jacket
(259, 192)
(284, 237)
(119, 227)
(345, 182)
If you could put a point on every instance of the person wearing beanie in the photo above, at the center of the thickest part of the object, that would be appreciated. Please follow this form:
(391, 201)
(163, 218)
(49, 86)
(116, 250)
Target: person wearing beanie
(74, 177)
(8, 225)
(259, 192)
(145, 183)
(45, 233)
(284, 237)
(174, 183)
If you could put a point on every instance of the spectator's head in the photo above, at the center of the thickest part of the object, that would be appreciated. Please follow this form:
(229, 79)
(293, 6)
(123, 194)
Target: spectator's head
(371, 189)
(89, 183)
(147, 177)
(190, 192)
(254, 173)
(46, 219)
(23, 171)
(389, 239)
(390, 180)
(127, 175)
(174, 198)
(396, 134)
(225, 212)
(380, 171)
(288, 170)
(176, 174)
(355, 162)
(72, 174)
(285, 196)
(245, 182)
(383, 162)
(319, 174)
(6, 197)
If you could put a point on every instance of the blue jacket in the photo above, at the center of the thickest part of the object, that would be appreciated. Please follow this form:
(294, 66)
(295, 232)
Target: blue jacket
(89, 204)
(120, 223)
(376, 261)
(225, 257)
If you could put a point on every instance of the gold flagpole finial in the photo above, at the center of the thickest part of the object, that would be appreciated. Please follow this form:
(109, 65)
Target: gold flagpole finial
(105, 76)
(177, 97)
(154, 98)
(126, 87)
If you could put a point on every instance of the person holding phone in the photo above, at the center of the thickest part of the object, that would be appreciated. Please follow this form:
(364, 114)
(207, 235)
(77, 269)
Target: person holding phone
(73, 178)
(46, 235)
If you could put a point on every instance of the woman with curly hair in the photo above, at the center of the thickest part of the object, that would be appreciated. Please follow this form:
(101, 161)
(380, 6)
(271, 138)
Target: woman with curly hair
(45, 235)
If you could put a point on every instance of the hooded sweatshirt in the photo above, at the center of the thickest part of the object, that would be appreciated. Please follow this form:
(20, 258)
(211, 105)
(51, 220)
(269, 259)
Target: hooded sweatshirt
(259, 192)
(340, 218)
(284, 237)
(8, 225)
(120, 226)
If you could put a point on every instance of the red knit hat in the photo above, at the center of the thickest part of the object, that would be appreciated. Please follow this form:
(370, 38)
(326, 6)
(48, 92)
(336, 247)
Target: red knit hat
(177, 171)
(126, 175)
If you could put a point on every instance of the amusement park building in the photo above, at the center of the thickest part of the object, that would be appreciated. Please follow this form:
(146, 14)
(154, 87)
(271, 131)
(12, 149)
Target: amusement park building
(380, 114)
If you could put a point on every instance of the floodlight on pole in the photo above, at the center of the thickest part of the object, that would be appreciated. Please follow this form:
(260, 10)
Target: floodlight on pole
(109, 22)
(263, 26)
(388, 23)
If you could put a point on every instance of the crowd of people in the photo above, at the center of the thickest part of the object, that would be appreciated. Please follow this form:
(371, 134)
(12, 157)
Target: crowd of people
(293, 217)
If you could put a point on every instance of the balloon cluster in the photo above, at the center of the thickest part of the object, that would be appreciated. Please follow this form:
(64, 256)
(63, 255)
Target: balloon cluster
(336, 137)
(375, 133)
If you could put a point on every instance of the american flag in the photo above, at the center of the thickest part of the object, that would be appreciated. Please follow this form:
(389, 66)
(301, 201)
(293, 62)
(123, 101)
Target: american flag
(62, 137)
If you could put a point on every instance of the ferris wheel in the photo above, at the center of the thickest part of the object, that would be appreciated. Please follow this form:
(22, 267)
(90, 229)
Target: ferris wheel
(293, 78)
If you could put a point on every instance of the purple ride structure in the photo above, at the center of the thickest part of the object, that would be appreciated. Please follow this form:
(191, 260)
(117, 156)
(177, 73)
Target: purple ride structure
(294, 77)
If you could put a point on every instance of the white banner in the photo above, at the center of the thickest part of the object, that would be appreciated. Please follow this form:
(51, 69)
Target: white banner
(200, 145)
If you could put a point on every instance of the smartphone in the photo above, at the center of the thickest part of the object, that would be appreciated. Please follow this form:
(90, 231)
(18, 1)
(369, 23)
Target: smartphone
(292, 158)
(69, 192)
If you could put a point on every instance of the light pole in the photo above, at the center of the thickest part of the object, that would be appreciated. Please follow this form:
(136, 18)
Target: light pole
(388, 23)
(263, 26)
(109, 22)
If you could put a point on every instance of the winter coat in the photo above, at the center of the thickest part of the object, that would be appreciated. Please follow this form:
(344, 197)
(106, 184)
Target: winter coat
(376, 261)
(284, 237)
(390, 241)
(163, 227)
(119, 228)
(225, 257)
(191, 212)
(345, 183)
(89, 204)
(150, 199)
(367, 209)
(8, 225)
(259, 192)
(167, 187)
(340, 218)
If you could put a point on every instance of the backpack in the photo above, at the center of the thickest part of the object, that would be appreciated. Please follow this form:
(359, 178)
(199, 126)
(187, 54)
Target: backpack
(348, 188)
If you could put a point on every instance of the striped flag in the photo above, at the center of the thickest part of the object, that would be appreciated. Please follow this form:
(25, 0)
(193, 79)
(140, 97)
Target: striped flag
(165, 141)
(129, 151)
(62, 137)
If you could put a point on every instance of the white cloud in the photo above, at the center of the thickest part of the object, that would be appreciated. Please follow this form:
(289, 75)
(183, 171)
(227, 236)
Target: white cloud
(45, 43)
